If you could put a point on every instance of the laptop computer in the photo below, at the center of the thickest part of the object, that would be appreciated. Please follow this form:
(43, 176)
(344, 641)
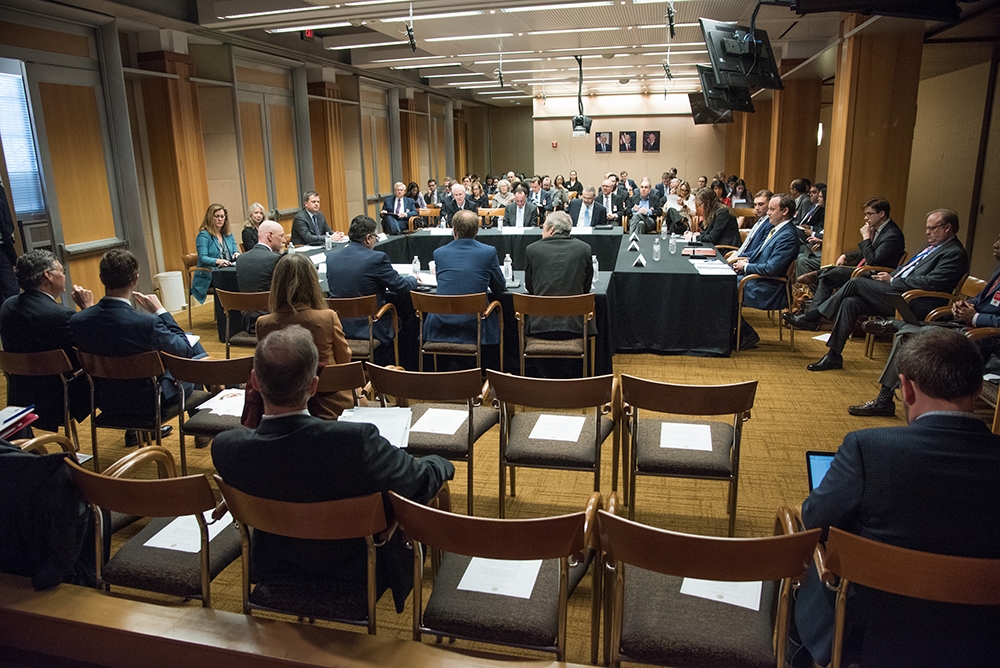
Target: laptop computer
(817, 464)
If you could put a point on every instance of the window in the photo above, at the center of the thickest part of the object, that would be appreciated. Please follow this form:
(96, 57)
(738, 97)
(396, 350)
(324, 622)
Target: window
(19, 148)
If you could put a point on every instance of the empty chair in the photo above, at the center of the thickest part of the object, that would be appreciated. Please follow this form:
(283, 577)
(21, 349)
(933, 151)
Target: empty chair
(343, 378)
(454, 610)
(475, 305)
(53, 365)
(367, 307)
(174, 571)
(708, 450)
(452, 386)
(332, 600)
(570, 314)
(522, 444)
(190, 261)
(654, 618)
(241, 301)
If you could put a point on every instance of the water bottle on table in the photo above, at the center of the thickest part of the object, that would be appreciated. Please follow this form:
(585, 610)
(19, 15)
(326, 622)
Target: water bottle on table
(597, 269)
(508, 268)
(416, 265)
(656, 249)
(673, 244)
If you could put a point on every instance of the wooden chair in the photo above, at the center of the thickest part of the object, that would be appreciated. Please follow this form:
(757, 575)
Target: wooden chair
(788, 280)
(144, 366)
(653, 622)
(367, 307)
(649, 458)
(568, 308)
(39, 444)
(918, 575)
(472, 305)
(571, 195)
(518, 448)
(47, 363)
(537, 623)
(134, 565)
(345, 519)
(213, 374)
(429, 214)
(190, 261)
(453, 386)
(241, 301)
(486, 216)
(341, 377)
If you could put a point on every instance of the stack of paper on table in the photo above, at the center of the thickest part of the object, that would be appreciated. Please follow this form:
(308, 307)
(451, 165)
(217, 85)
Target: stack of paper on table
(712, 268)
(392, 423)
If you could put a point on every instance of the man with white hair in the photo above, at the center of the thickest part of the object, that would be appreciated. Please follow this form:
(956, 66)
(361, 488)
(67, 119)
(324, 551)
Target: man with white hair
(397, 210)
(645, 208)
(255, 267)
(457, 202)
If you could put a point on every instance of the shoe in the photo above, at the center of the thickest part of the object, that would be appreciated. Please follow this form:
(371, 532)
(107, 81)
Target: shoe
(874, 409)
(808, 278)
(880, 327)
(830, 361)
(799, 322)
(132, 436)
(749, 341)
(202, 441)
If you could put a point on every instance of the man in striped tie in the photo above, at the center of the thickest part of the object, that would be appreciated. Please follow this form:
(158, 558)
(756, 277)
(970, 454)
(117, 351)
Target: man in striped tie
(939, 267)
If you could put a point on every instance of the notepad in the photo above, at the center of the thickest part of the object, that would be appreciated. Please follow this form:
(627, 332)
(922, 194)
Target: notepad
(558, 428)
(741, 594)
(192, 338)
(501, 577)
(184, 535)
(686, 436)
(392, 423)
(403, 269)
(582, 230)
(698, 252)
(822, 337)
(444, 421)
(440, 231)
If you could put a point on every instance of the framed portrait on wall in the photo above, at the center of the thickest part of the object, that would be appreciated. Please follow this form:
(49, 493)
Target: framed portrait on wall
(626, 141)
(651, 141)
(602, 142)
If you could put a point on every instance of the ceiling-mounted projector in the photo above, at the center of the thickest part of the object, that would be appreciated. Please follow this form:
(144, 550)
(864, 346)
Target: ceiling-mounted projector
(581, 125)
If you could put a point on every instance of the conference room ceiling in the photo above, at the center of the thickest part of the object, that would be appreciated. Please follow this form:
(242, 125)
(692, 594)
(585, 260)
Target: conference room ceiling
(624, 43)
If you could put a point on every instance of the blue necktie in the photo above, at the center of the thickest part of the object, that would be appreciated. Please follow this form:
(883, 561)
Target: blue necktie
(586, 216)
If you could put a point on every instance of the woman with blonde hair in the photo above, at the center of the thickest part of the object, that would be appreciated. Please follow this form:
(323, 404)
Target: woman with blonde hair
(297, 299)
(255, 217)
(216, 248)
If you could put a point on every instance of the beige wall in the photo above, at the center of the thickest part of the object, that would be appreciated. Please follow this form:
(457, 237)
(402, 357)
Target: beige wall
(222, 164)
(692, 149)
(511, 147)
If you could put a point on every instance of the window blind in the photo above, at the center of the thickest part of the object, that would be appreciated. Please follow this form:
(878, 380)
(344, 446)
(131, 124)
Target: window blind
(19, 147)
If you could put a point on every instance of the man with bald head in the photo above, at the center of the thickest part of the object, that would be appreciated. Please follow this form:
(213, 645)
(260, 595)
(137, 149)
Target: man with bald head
(397, 210)
(457, 202)
(255, 267)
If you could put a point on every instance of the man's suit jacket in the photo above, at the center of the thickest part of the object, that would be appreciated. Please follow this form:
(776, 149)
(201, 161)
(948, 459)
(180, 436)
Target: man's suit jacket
(803, 205)
(254, 270)
(655, 204)
(597, 217)
(356, 271)
(882, 251)
(303, 459)
(989, 315)
(33, 322)
(603, 148)
(929, 486)
(303, 232)
(939, 272)
(771, 259)
(530, 214)
(755, 239)
(465, 266)
(544, 199)
(401, 222)
(114, 329)
(558, 265)
(617, 206)
(450, 207)
(663, 190)
(814, 218)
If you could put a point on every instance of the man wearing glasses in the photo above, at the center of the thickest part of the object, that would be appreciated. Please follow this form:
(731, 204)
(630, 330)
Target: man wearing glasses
(938, 267)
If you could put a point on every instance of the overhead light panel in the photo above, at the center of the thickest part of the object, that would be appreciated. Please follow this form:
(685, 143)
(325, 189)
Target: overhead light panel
(368, 46)
(568, 5)
(456, 38)
(272, 12)
(410, 58)
(448, 15)
(573, 30)
(455, 74)
(318, 26)
(490, 53)
(363, 3)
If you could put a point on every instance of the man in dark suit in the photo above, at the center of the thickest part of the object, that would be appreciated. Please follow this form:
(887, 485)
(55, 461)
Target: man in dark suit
(627, 183)
(584, 211)
(255, 267)
(431, 196)
(663, 188)
(645, 208)
(558, 264)
(309, 225)
(34, 322)
(520, 212)
(114, 329)
(603, 142)
(612, 202)
(931, 486)
(758, 233)
(780, 247)
(938, 267)
(396, 210)
(358, 270)
(799, 189)
(465, 266)
(573, 184)
(540, 197)
(983, 310)
(295, 457)
(459, 201)
(812, 229)
(882, 245)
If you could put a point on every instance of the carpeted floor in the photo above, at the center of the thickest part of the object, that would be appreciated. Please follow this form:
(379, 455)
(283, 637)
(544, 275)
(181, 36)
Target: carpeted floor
(795, 411)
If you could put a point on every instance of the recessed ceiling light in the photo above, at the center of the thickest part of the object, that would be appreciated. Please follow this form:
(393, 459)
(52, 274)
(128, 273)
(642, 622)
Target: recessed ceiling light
(422, 67)
(320, 26)
(569, 5)
(272, 12)
(573, 30)
(362, 3)
(455, 74)
(421, 17)
(456, 38)
(492, 53)
(411, 58)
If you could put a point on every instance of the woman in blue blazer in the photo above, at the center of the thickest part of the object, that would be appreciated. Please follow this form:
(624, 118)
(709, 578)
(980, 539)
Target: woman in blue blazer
(216, 248)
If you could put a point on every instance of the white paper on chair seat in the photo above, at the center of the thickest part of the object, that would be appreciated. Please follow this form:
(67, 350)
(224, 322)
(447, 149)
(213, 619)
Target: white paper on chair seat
(741, 594)
(227, 402)
(558, 428)
(393, 423)
(444, 421)
(684, 436)
(502, 577)
(183, 534)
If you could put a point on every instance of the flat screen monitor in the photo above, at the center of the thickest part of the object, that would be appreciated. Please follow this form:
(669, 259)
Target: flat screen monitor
(705, 116)
(739, 61)
(720, 97)
(928, 10)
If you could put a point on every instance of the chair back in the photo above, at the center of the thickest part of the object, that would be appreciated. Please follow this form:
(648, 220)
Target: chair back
(972, 286)
(688, 399)
(354, 307)
(551, 393)
(190, 260)
(356, 517)
(340, 377)
(923, 575)
(38, 443)
(545, 538)
(168, 497)
(744, 233)
(579, 305)
(153, 454)
(706, 557)
(449, 305)
(209, 371)
(243, 301)
(132, 367)
(438, 386)
(45, 363)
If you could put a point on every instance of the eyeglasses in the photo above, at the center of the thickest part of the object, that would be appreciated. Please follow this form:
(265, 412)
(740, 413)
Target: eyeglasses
(869, 214)
(931, 228)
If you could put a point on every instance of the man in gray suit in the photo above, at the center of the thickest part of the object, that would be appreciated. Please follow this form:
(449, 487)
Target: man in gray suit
(309, 226)
(520, 212)
(558, 264)
(255, 267)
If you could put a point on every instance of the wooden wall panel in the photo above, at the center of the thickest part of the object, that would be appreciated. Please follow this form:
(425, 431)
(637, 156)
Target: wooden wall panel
(462, 148)
(76, 152)
(284, 165)
(254, 170)
(794, 121)
(368, 153)
(86, 272)
(409, 142)
(734, 144)
(439, 153)
(43, 39)
(756, 149)
(263, 78)
(329, 174)
(384, 160)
